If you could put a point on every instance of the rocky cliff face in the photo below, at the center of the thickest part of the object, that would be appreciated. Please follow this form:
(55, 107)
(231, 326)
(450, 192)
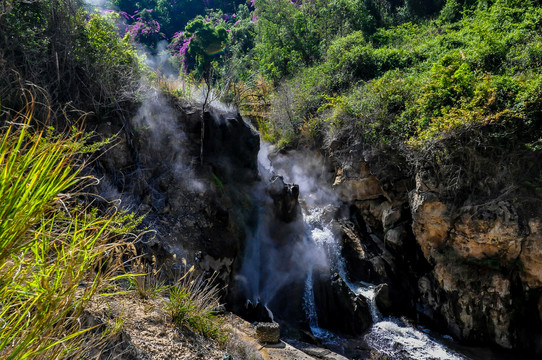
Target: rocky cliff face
(194, 210)
(473, 269)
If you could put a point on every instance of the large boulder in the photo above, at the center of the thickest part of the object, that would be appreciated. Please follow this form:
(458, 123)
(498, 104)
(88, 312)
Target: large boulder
(231, 146)
(339, 308)
(382, 299)
(285, 199)
(431, 222)
(362, 186)
(473, 304)
(491, 231)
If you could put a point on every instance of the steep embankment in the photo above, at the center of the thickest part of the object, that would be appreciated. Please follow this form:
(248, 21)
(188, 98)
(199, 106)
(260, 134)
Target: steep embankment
(481, 280)
(195, 208)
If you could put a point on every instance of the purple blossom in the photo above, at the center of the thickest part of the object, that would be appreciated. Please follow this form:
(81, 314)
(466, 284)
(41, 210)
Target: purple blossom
(141, 27)
(183, 50)
(227, 17)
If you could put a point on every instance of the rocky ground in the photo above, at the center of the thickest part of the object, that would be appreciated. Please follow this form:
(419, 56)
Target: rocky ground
(146, 333)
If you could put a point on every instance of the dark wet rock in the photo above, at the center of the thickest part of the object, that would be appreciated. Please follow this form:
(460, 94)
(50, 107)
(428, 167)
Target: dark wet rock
(395, 238)
(390, 217)
(285, 199)
(287, 303)
(231, 146)
(366, 257)
(268, 332)
(256, 312)
(338, 308)
(195, 211)
(383, 300)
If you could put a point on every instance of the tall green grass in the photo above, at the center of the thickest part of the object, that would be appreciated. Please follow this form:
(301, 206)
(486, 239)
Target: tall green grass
(193, 303)
(55, 253)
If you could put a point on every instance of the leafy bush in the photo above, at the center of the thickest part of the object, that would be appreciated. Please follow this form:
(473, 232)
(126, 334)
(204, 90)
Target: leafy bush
(76, 57)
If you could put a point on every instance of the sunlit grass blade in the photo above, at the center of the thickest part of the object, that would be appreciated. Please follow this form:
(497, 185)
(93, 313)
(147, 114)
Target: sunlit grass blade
(55, 255)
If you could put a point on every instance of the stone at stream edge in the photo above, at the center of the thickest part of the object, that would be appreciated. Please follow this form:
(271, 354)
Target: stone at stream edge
(268, 332)
(382, 299)
(339, 308)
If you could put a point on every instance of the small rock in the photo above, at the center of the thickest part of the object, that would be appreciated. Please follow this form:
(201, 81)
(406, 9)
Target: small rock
(268, 333)
(394, 238)
(390, 217)
(219, 309)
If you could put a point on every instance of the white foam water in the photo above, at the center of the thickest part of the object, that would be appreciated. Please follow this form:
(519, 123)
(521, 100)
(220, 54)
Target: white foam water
(401, 341)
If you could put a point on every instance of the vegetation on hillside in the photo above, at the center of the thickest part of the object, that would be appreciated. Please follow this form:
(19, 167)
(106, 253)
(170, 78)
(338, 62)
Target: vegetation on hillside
(451, 87)
(60, 65)
(56, 252)
(76, 57)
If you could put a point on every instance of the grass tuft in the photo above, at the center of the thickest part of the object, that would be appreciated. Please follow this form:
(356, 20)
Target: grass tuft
(193, 303)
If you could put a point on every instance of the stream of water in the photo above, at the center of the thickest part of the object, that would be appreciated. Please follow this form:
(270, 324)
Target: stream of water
(391, 336)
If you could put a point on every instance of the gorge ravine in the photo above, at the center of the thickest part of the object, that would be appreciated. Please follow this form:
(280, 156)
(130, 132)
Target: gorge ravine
(395, 232)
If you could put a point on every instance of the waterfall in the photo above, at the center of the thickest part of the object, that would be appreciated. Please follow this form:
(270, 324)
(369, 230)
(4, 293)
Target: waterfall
(313, 241)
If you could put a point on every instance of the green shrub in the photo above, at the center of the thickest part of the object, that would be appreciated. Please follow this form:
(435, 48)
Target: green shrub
(76, 57)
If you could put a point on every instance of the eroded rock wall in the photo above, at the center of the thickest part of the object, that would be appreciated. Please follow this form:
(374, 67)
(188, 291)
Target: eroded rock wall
(194, 210)
(481, 281)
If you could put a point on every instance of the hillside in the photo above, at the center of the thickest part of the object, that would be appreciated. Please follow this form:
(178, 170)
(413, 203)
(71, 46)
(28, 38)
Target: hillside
(365, 175)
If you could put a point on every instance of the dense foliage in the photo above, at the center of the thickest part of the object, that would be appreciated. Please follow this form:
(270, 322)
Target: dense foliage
(456, 90)
(434, 83)
(166, 17)
(76, 57)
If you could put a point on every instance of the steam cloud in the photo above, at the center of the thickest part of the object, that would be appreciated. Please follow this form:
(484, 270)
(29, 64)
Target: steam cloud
(279, 254)
(166, 144)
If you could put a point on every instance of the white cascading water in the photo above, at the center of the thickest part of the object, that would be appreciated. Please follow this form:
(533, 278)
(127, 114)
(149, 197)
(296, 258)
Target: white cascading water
(391, 336)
